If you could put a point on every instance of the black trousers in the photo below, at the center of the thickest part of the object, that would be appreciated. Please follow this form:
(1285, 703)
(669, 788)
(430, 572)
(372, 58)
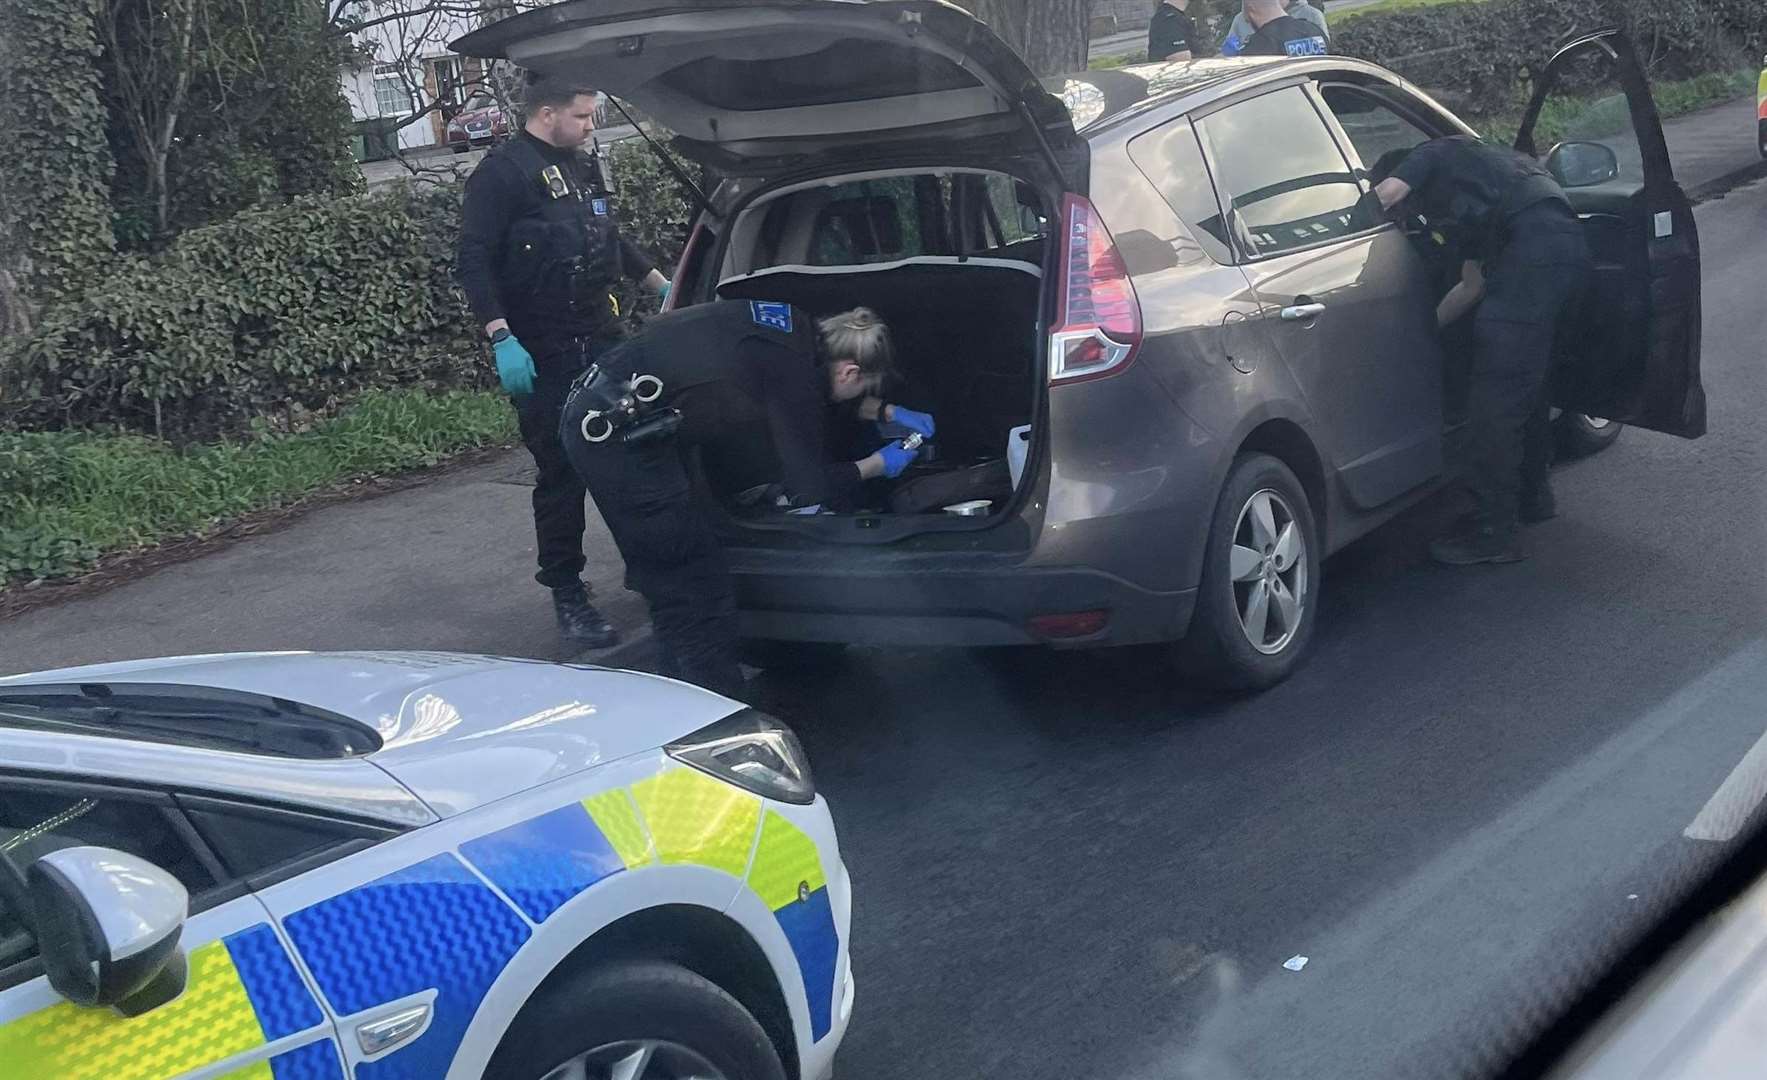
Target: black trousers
(673, 558)
(558, 490)
(1530, 285)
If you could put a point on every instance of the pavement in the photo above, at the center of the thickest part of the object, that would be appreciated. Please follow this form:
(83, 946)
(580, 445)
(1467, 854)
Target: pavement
(1069, 864)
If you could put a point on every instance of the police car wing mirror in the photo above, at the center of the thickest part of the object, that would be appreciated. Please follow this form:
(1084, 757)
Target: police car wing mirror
(107, 924)
(1582, 164)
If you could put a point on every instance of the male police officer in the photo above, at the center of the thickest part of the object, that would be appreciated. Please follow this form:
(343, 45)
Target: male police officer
(539, 249)
(1526, 262)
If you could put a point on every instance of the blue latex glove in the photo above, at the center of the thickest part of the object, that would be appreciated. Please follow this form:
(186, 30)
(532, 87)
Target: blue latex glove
(896, 458)
(913, 421)
(1232, 46)
(515, 368)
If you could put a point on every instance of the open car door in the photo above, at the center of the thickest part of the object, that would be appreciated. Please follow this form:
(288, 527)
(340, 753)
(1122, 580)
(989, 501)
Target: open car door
(1631, 352)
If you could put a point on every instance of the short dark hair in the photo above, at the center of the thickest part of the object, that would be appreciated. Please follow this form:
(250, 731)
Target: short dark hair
(556, 91)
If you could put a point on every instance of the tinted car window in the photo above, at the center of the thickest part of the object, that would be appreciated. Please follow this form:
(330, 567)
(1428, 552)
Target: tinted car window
(1282, 172)
(34, 823)
(1375, 128)
(1171, 158)
(867, 221)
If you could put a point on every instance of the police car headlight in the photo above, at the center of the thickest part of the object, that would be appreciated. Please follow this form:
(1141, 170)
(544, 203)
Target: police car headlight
(753, 751)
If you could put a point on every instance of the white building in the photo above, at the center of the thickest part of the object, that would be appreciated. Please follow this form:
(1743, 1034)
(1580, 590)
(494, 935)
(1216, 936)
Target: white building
(411, 68)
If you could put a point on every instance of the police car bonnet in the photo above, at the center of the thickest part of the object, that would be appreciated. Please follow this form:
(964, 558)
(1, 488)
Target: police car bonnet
(735, 79)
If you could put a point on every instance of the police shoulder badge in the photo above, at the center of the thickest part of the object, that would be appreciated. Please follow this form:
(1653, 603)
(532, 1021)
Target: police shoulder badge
(771, 314)
(599, 206)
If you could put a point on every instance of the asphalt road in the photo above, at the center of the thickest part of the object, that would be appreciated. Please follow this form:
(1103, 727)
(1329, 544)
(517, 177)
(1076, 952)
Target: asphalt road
(1067, 866)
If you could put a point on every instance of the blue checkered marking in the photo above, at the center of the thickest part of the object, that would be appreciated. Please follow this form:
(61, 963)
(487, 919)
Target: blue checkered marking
(314, 1061)
(772, 314)
(809, 926)
(282, 1001)
(432, 925)
(544, 862)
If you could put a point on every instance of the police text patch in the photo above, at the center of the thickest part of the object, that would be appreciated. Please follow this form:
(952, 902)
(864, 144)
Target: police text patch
(771, 313)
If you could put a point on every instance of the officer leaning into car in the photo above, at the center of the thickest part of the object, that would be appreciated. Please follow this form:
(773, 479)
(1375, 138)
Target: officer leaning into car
(725, 381)
(1525, 266)
(540, 248)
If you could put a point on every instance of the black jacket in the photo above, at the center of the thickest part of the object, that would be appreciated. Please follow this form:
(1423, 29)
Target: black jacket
(1171, 31)
(747, 376)
(542, 255)
(1470, 190)
(1287, 36)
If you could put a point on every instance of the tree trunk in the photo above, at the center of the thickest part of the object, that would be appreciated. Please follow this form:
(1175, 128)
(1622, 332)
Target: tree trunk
(1051, 35)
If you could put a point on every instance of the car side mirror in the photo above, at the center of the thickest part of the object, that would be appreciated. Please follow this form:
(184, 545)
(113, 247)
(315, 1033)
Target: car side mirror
(1582, 164)
(107, 925)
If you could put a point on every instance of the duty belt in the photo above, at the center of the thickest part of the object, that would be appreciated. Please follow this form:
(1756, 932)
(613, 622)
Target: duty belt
(622, 406)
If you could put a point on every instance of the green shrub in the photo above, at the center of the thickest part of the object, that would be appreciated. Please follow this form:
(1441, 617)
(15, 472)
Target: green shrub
(1482, 56)
(655, 213)
(269, 313)
(67, 497)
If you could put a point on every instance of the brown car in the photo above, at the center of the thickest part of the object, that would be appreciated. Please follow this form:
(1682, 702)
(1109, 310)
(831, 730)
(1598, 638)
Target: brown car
(1176, 354)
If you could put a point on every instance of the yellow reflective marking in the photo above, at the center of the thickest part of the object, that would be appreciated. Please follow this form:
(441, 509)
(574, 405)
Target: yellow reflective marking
(785, 859)
(211, 1020)
(257, 1070)
(617, 819)
(696, 819)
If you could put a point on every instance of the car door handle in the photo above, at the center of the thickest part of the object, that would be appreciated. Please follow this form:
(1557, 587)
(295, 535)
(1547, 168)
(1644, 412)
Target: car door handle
(1299, 312)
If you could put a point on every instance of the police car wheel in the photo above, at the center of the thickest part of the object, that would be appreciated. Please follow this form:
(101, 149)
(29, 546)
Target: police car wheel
(770, 654)
(642, 1021)
(1256, 605)
(1579, 435)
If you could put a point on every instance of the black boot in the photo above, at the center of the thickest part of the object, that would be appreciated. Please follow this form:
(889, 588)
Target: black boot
(1481, 544)
(579, 621)
(1538, 503)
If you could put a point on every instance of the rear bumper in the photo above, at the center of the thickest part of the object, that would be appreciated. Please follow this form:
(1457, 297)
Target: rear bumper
(782, 600)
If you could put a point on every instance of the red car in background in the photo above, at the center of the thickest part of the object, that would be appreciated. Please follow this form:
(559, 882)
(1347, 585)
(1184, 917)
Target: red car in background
(481, 122)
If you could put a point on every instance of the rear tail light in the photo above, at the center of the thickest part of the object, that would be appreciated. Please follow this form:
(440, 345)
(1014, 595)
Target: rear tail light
(1100, 327)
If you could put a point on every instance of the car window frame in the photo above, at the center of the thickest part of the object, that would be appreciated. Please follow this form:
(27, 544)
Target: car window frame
(1306, 83)
(223, 891)
(174, 801)
(1157, 135)
(1387, 96)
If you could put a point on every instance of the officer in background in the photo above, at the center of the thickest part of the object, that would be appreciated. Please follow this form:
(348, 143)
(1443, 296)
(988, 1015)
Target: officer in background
(1243, 29)
(1525, 264)
(733, 374)
(539, 250)
(1172, 33)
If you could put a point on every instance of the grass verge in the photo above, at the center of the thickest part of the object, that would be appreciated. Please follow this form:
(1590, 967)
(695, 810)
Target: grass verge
(67, 498)
(1590, 117)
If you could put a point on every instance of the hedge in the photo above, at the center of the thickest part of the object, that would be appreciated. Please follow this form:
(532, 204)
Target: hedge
(284, 312)
(1481, 56)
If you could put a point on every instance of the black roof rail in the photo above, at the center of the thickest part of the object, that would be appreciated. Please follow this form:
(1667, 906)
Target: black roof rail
(196, 716)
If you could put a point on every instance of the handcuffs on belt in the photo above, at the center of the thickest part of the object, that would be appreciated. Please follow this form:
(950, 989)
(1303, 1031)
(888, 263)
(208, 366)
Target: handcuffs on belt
(624, 407)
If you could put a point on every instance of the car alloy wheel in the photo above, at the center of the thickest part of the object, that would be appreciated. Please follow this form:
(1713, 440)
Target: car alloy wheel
(637, 1059)
(1269, 571)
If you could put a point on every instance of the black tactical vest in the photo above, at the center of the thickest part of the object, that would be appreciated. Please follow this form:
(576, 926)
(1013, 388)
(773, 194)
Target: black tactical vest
(562, 254)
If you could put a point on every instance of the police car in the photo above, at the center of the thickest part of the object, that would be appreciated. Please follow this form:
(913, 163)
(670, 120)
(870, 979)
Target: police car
(409, 865)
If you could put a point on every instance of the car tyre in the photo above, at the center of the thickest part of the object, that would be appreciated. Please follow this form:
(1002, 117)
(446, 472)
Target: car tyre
(772, 655)
(1248, 551)
(601, 1016)
(1579, 436)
